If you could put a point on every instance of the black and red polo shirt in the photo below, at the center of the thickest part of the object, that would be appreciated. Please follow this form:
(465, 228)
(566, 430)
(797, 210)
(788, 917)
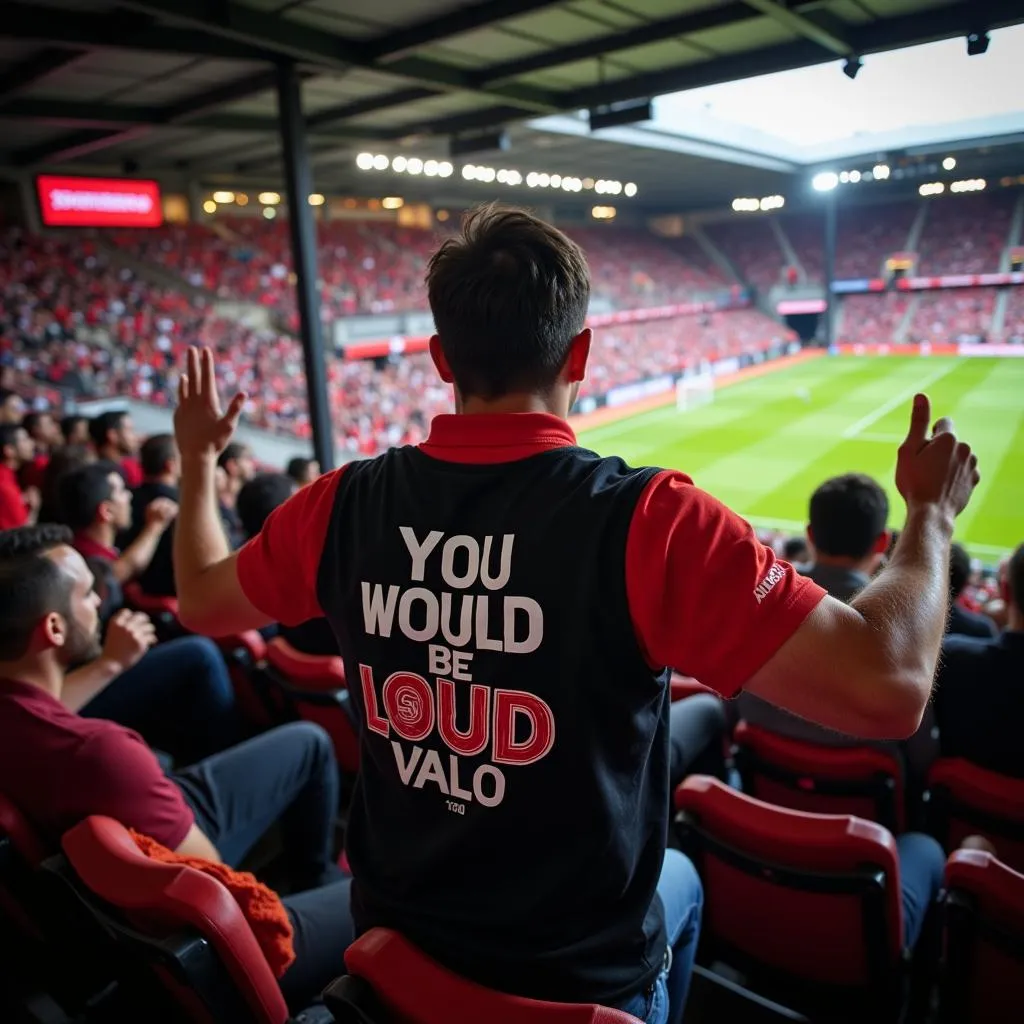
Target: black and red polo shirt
(507, 605)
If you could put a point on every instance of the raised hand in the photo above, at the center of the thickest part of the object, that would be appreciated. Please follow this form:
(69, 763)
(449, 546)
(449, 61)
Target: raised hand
(161, 512)
(938, 470)
(129, 635)
(200, 428)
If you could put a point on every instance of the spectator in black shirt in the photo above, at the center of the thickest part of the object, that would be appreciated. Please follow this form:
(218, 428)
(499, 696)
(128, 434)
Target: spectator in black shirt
(237, 467)
(303, 470)
(256, 500)
(161, 470)
(961, 621)
(75, 429)
(980, 689)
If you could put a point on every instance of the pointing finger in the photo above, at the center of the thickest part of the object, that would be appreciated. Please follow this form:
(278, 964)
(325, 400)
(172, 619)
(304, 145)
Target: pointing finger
(921, 413)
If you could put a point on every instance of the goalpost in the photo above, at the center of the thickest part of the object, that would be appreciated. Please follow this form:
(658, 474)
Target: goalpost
(695, 391)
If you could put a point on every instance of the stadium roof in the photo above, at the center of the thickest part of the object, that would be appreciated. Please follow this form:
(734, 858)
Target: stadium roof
(189, 85)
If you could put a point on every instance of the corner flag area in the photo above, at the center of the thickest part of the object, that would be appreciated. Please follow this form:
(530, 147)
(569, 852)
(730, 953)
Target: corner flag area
(768, 441)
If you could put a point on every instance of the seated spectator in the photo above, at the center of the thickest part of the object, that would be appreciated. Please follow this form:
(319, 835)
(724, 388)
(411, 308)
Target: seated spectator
(256, 500)
(161, 470)
(62, 460)
(796, 552)
(75, 429)
(979, 700)
(962, 621)
(237, 466)
(12, 407)
(113, 436)
(848, 536)
(17, 506)
(42, 428)
(97, 506)
(216, 810)
(303, 470)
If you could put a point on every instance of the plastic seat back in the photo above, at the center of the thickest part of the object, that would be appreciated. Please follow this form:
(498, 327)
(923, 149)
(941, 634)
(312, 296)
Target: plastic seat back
(392, 982)
(815, 897)
(21, 852)
(313, 687)
(162, 610)
(964, 800)
(180, 923)
(862, 781)
(245, 654)
(984, 940)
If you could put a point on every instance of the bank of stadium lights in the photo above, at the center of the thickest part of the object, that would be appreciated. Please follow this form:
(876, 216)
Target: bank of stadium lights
(603, 213)
(825, 181)
(763, 205)
(931, 188)
(392, 202)
(223, 197)
(970, 185)
(317, 199)
(269, 198)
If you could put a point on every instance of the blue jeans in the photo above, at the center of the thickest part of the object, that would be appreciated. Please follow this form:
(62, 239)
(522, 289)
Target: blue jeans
(179, 697)
(922, 863)
(683, 898)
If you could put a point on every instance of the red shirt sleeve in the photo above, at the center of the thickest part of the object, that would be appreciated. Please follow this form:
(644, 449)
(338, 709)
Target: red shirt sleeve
(117, 775)
(13, 512)
(277, 569)
(707, 598)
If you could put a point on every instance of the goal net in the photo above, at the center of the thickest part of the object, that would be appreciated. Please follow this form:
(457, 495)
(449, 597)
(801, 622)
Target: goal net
(693, 392)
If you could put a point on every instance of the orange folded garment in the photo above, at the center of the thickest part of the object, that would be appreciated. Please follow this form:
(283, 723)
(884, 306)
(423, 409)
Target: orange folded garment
(260, 905)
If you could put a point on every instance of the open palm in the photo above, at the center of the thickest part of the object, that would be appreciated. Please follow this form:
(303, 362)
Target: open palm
(200, 427)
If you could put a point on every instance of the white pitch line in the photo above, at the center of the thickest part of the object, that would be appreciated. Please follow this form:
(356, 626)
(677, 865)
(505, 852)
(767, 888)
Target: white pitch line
(895, 401)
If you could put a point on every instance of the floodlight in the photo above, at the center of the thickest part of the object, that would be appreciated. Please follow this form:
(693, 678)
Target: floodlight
(399, 164)
(317, 199)
(365, 161)
(949, 163)
(630, 189)
(444, 169)
(223, 197)
(880, 171)
(209, 206)
(380, 162)
(825, 181)
(414, 165)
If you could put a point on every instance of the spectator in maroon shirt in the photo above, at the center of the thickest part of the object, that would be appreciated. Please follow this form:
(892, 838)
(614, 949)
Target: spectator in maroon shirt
(59, 767)
(95, 503)
(113, 435)
(17, 506)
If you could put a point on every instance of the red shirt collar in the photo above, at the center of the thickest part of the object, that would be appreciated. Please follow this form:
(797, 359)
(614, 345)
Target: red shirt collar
(496, 437)
(89, 548)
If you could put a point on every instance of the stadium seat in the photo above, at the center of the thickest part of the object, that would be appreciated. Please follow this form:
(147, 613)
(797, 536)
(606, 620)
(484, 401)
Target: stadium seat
(806, 906)
(181, 924)
(964, 800)
(245, 654)
(313, 688)
(862, 781)
(21, 851)
(163, 611)
(984, 940)
(390, 981)
(683, 687)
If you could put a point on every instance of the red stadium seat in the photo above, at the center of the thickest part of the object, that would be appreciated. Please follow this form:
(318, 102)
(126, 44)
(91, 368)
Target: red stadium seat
(862, 781)
(313, 687)
(807, 906)
(965, 800)
(390, 981)
(181, 924)
(984, 940)
(245, 654)
(21, 851)
(162, 610)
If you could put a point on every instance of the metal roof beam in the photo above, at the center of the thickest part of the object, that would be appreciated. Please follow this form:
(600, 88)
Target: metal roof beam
(434, 30)
(370, 105)
(36, 69)
(883, 34)
(833, 40)
(288, 38)
(652, 32)
(126, 30)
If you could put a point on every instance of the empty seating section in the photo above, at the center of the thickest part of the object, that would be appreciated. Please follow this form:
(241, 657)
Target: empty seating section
(959, 314)
(873, 318)
(966, 234)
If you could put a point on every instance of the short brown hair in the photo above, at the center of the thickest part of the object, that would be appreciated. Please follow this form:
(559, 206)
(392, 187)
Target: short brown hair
(508, 294)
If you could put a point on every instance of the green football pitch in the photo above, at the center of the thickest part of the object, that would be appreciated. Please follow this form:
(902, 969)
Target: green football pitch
(766, 442)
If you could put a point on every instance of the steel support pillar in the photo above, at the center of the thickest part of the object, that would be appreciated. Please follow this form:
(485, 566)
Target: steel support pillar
(830, 267)
(299, 182)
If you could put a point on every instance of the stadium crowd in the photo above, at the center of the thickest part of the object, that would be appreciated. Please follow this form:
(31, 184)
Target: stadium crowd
(97, 525)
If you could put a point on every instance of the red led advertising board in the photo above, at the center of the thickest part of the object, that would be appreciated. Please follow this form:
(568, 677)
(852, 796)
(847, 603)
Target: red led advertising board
(98, 202)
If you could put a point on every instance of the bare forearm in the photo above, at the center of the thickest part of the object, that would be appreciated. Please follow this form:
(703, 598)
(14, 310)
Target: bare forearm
(907, 605)
(136, 557)
(199, 541)
(86, 682)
